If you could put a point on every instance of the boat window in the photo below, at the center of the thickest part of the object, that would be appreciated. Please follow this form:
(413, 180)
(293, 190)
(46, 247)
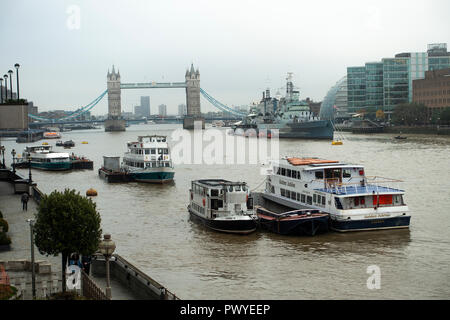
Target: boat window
(166, 164)
(298, 175)
(309, 200)
(314, 198)
(338, 203)
(323, 200)
(298, 196)
(244, 188)
(147, 151)
(293, 195)
(278, 170)
(250, 203)
(283, 171)
(282, 191)
(237, 188)
(302, 198)
(214, 193)
(230, 188)
(153, 151)
(346, 173)
(294, 174)
(166, 151)
(147, 165)
(160, 151)
(288, 194)
(288, 172)
(319, 174)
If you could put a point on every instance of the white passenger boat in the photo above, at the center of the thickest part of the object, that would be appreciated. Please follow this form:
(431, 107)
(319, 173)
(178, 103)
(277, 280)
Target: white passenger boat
(148, 160)
(222, 205)
(42, 157)
(52, 135)
(353, 200)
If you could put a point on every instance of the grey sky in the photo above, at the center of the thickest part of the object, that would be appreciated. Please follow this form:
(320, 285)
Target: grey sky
(241, 47)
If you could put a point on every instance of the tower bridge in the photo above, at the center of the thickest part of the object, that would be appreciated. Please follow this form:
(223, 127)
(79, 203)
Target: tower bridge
(115, 122)
(191, 84)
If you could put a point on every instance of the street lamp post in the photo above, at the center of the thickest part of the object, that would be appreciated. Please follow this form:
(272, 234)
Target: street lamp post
(33, 272)
(1, 90)
(13, 153)
(2, 150)
(107, 247)
(17, 73)
(10, 83)
(30, 181)
(5, 76)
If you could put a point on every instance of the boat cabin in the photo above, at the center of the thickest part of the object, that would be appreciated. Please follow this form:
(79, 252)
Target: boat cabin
(213, 198)
(148, 152)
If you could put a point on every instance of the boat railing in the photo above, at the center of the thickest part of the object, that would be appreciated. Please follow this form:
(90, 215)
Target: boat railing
(369, 184)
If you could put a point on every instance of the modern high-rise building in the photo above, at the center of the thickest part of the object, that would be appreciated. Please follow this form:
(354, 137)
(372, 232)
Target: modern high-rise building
(334, 105)
(383, 85)
(145, 106)
(434, 90)
(162, 110)
(182, 110)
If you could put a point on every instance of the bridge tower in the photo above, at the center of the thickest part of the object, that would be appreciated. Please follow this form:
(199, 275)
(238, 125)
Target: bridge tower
(114, 121)
(192, 79)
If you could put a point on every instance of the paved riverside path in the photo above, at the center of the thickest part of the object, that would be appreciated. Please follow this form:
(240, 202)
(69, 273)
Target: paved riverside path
(19, 231)
(19, 228)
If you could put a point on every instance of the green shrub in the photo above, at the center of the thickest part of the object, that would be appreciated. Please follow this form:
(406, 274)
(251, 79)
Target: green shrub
(4, 239)
(4, 224)
(7, 291)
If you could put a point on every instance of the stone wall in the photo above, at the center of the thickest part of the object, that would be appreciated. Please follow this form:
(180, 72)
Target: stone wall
(14, 116)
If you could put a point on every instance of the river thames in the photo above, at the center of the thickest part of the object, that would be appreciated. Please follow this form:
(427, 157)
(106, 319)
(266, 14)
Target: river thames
(151, 227)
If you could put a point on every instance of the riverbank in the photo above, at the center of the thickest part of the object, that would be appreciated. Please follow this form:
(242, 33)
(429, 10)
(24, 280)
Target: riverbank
(438, 130)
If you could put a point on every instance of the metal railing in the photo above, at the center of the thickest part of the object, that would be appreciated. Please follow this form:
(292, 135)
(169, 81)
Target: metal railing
(368, 184)
(90, 289)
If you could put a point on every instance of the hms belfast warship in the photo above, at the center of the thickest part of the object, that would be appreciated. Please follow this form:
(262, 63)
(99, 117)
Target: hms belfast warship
(290, 116)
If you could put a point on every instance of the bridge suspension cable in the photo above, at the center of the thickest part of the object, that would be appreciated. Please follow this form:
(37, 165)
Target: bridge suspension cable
(75, 113)
(220, 105)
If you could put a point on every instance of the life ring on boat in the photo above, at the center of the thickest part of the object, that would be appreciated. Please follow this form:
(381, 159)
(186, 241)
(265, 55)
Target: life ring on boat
(204, 201)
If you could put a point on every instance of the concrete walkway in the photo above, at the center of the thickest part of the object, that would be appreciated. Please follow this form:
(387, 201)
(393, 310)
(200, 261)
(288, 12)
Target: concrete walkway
(19, 232)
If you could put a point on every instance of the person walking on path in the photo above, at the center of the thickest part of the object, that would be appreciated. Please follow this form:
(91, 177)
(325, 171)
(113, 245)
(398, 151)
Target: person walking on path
(25, 198)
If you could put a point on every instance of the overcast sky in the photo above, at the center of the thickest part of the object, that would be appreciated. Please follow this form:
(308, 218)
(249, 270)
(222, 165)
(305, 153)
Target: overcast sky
(240, 47)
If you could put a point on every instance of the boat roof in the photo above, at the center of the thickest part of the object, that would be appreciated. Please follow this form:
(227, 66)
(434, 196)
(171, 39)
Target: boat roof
(308, 161)
(218, 182)
(312, 164)
(152, 136)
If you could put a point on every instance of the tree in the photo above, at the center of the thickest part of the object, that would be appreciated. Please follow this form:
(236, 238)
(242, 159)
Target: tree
(445, 116)
(67, 222)
(410, 114)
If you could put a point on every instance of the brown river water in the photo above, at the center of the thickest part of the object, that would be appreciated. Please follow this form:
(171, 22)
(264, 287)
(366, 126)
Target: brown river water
(151, 227)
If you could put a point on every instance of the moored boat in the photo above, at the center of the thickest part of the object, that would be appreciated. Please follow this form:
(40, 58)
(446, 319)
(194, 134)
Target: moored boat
(42, 157)
(353, 201)
(222, 205)
(149, 160)
(296, 222)
(52, 135)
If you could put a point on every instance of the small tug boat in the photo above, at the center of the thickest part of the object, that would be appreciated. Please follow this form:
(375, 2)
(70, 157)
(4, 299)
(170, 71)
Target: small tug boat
(353, 201)
(296, 222)
(69, 144)
(59, 143)
(148, 160)
(222, 205)
(400, 137)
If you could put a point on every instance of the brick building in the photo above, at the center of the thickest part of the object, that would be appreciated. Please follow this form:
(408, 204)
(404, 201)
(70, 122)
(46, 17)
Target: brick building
(434, 90)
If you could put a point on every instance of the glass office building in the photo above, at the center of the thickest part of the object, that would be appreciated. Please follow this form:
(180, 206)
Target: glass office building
(383, 85)
(356, 88)
(395, 82)
(334, 105)
(374, 86)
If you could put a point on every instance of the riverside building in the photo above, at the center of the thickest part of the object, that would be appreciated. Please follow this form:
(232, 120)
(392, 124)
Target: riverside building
(434, 90)
(384, 84)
